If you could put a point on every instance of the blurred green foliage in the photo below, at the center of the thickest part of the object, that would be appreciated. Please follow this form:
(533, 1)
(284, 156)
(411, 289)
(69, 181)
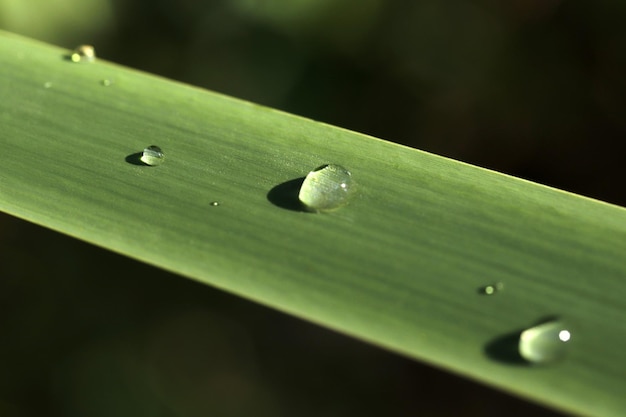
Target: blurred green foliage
(534, 88)
(56, 21)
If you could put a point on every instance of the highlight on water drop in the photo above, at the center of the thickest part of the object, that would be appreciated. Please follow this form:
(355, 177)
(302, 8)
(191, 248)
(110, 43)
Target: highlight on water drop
(83, 53)
(152, 155)
(545, 343)
(326, 188)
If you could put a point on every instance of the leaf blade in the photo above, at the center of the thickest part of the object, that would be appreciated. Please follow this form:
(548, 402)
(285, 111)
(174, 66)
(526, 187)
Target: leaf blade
(399, 266)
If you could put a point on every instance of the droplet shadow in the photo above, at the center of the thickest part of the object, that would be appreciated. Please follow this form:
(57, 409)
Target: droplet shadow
(285, 195)
(484, 290)
(505, 349)
(135, 159)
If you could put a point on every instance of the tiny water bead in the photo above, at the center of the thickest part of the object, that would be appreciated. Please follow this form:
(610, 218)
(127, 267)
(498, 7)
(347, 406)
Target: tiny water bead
(492, 289)
(326, 188)
(83, 53)
(152, 155)
(47, 84)
(215, 203)
(544, 343)
(106, 82)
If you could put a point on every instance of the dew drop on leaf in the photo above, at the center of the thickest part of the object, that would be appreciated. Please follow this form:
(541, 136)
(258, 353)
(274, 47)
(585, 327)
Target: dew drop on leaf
(326, 188)
(545, 342)
(83, 53)
(152, 155)
(492, 289)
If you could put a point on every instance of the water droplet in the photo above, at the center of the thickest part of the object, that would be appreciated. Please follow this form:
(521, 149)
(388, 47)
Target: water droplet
(47, 84)
(544, 343)
(491, 289)
(326, 188)
(106, 82)
(152, 155)
(83, 53)
(215, 203)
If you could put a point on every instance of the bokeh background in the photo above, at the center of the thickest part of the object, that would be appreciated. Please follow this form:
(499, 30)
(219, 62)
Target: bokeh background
(533, 88)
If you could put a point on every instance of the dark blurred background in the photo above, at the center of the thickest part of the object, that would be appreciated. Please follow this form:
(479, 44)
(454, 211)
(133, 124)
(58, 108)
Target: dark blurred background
(533, 88)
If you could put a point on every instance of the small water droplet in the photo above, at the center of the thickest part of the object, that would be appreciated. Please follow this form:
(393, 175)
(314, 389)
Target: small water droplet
(545, 342)
(215, 203)
(106, 82)
(152, 155)
(491, 289)
(326, 188)
(83, 53)
(47, 84)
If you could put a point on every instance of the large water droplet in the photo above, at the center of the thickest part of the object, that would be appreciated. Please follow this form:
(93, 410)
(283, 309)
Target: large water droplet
(83, 53)
(544, 343)
(326, 188)
(152, 155)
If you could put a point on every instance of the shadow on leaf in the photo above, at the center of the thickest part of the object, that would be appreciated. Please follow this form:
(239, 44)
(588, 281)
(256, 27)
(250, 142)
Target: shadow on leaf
(285, 195)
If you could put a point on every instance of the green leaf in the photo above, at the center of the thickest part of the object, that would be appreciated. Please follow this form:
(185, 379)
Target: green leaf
(401, 265)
